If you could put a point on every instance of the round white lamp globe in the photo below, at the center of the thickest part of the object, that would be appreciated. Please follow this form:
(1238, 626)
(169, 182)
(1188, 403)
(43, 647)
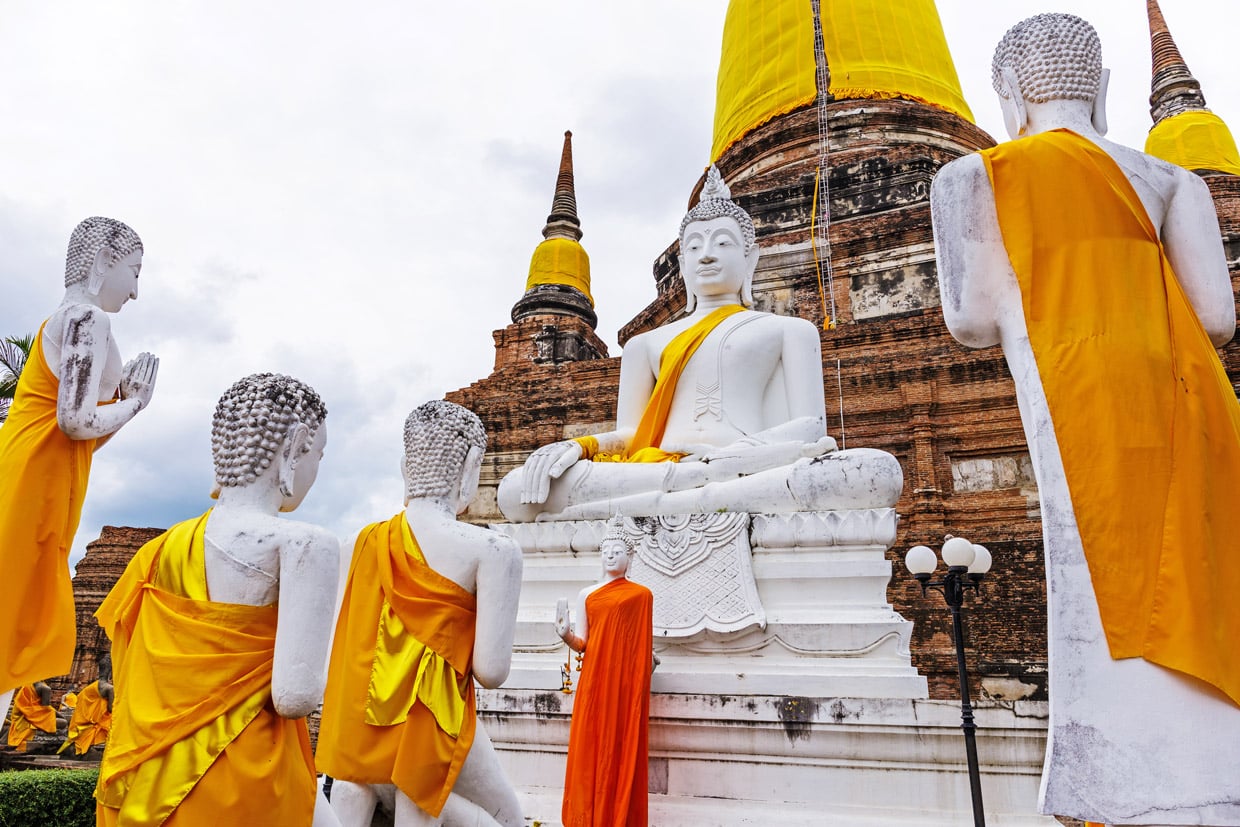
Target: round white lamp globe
(958, 551)
(981, 560)
(921, 560)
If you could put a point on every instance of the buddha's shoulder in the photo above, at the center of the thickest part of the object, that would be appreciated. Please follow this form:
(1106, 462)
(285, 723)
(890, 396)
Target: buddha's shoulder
(776, 322)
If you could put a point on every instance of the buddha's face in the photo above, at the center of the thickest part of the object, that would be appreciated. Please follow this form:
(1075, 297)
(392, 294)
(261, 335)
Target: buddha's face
(307, 470)
(713, 259)
(120, 282)
(615, 554)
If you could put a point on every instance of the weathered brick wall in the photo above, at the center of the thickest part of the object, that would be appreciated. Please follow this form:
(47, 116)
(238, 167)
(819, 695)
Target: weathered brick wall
(96, 573)
(946, 412)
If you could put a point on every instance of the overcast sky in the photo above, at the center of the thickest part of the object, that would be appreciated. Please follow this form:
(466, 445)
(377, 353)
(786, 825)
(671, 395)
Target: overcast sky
(350, 193)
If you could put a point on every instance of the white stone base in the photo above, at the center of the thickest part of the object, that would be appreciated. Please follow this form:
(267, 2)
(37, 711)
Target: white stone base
(784, 760)
(821, 581)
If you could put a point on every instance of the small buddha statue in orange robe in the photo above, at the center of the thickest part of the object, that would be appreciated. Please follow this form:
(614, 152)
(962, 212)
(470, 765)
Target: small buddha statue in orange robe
(612, 626)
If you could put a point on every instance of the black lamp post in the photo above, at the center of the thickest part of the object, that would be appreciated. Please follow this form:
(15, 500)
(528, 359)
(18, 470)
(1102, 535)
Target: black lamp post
(967, 563)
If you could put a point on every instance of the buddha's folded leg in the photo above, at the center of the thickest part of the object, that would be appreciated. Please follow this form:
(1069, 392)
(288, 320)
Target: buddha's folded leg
(843, 480)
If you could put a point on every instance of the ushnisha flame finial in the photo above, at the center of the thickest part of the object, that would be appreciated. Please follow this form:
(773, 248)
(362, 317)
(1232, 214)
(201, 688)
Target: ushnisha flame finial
(715, 202)
(715, 188)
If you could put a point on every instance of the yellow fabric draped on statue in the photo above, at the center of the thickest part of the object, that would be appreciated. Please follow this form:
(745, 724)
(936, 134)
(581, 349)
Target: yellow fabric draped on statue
(399, 705)
(195, 739)
(645, 445)
(28, 715)
(91, 721)
(1195, 140)
(1147, 423)
(43, 477)
(874, 49)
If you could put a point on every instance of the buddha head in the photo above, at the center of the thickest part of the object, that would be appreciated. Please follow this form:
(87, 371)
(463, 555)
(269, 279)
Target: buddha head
(718, 246)
(444, 444)
(616, 548)
(106, 254)
(1049, 57)
(267, 421)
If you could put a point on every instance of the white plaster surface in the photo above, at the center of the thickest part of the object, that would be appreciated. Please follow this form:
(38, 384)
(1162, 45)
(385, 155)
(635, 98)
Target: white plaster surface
(821, 584)
(735, 760)
(1129, 742)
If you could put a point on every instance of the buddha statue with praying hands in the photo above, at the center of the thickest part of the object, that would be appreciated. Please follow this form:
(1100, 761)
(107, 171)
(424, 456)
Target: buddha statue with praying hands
(721, 410)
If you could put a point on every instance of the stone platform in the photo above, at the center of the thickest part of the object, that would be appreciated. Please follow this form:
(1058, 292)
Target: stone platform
(790, 760)
(785, 692)
(763, 604)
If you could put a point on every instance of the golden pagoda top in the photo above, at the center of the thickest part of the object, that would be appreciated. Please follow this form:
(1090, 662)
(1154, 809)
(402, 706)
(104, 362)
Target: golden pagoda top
(1185, 132)
(560, 258)
(875, 49)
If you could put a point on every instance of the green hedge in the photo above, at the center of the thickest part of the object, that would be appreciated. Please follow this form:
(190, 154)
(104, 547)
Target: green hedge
(47, 798)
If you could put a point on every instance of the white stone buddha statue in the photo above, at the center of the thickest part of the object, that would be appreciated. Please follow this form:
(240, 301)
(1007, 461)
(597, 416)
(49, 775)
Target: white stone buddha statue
(399, 721)
(1100, 272)
(73, 395)
(720, 410)
(220, 630)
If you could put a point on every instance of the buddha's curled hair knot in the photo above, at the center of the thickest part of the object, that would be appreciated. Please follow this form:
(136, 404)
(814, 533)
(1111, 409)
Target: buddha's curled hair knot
(617, 530)
(1054, 57)
(438, 436)
(251, 421)
(716, 202)
(95, 234)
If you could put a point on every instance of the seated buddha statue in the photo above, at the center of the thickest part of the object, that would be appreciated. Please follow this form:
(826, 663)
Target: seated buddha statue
(722, 409)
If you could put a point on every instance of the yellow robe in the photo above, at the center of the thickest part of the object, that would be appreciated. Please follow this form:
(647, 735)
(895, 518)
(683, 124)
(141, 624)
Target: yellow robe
(27, 715)
(195, 739)
(91, 721)
(1147, 423)
(648, 438)
(43, 478)
(399, 705)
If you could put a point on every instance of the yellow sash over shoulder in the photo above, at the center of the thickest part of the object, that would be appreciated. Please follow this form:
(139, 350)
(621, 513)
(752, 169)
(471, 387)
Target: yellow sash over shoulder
(399, 706)
(645, 446)
(195, 740)
(43, 478)
(1147, 424)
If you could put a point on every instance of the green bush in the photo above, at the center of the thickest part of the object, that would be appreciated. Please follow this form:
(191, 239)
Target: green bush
(47, 798)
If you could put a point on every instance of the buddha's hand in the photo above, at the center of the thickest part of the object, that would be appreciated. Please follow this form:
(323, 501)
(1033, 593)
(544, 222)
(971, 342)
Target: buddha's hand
(543, 466)
(824, 445)
(561, 618)
(138, 379)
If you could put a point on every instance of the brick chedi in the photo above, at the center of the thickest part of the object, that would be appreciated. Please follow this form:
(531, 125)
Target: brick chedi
(94, 577)
(838, 187)
(552, 378)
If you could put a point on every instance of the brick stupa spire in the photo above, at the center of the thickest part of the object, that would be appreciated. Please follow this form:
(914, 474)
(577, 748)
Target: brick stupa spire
(1185, 132)
(559, 278)
(1173, 89)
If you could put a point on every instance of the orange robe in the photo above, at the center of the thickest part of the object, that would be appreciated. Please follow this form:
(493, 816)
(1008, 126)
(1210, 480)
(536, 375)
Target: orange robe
(605, 783)
(1147, 423)
(91, 720)
(43, 477)
(27, 715)
(195, 739)
(399, 706)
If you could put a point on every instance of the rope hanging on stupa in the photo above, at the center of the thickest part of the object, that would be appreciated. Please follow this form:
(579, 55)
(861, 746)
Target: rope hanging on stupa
(822, 182)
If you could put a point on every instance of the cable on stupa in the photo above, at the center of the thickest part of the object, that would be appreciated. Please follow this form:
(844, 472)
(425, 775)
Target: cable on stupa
(822, 182)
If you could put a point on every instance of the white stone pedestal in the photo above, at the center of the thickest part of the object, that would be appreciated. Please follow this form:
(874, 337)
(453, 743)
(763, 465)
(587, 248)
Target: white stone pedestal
(786, 693)
(790, 760)
(819, 624)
